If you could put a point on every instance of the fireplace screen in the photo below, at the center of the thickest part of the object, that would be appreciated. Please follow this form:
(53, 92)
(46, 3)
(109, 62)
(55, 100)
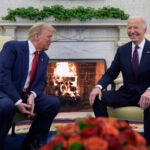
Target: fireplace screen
(72, 80)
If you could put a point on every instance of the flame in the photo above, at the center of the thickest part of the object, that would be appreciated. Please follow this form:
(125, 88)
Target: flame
(64, 69)
(65, 79)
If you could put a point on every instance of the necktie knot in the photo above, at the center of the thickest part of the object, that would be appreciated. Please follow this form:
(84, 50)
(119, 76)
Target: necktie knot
(36, 53)
(136, 47)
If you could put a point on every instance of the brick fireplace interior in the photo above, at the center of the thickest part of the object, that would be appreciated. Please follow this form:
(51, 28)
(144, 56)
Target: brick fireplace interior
(72, 80)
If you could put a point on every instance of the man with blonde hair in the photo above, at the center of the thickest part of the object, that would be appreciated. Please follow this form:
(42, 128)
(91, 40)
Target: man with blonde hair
(23, 67)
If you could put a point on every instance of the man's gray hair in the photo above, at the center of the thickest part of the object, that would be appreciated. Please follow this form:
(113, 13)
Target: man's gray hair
(142, 19)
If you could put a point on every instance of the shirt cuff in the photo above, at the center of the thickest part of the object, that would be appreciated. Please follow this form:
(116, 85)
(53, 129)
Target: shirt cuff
(35, 95)
(18, 102)
(99, 86)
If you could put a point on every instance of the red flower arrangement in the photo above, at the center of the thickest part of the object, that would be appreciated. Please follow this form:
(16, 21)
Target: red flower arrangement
(96, 134)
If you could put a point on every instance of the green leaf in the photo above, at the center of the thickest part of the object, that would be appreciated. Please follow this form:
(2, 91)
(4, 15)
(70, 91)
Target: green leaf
(82, 125)
(58, 147)
(76, 146)
(65, 14)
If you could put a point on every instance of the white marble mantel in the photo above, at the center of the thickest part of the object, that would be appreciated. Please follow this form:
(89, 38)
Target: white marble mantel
(76, 39)
(74, 22)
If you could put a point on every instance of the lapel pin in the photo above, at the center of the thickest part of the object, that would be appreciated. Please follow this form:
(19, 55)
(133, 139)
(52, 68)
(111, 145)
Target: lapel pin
(148, 52)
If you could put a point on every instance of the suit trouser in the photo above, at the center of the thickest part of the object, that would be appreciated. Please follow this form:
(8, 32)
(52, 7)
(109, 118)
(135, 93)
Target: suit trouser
(120, 99)
(46, 108)
(7, 112)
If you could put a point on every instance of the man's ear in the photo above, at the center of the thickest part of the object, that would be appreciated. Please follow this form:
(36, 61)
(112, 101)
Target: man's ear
(36, 37)
(145, 29)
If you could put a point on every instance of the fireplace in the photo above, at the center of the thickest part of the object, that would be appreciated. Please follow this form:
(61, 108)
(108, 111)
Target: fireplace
(72, 80)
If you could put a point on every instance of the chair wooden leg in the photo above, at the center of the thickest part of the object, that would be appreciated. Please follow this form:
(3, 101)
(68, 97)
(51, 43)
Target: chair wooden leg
(13, 129)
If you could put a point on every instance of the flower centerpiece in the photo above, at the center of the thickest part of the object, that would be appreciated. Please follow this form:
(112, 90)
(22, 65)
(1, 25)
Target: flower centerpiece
(96, 134)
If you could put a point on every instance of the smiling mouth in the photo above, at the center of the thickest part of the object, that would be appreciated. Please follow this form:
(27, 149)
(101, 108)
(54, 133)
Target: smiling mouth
(133, 35)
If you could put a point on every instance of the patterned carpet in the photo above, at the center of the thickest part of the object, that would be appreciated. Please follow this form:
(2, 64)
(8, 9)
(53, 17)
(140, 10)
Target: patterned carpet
(137, 126)
(23, 126)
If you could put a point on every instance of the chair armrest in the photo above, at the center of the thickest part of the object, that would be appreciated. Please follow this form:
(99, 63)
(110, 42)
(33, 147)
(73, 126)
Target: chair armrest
(116, 83)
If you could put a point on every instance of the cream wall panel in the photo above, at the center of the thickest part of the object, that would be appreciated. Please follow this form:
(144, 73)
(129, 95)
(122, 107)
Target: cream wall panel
(132, 7)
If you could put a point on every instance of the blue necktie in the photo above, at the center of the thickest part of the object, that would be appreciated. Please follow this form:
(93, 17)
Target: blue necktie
(135, 60)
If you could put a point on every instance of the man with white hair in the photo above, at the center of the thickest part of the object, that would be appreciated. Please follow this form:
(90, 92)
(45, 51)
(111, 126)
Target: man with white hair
(133, 60)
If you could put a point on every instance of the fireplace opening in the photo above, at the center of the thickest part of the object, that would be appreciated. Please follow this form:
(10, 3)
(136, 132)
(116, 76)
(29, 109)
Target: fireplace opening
(72, 81)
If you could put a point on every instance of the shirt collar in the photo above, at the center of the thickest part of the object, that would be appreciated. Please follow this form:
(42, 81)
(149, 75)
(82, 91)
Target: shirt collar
(31, 47)
(141, 45)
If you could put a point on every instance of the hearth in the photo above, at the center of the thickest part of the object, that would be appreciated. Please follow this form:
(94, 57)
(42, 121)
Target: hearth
(72, 80)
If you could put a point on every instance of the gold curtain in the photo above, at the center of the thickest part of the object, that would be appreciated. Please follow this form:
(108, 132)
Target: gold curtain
(4, 39)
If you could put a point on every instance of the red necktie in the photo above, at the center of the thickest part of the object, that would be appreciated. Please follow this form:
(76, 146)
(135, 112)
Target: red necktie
(135, 60)
(34, 68)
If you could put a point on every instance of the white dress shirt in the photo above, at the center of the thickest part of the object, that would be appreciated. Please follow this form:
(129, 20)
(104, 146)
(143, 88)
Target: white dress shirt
(31, 56)
(140, 49)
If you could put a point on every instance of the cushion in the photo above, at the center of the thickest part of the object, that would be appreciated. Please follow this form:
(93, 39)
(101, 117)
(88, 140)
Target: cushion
(131, 113)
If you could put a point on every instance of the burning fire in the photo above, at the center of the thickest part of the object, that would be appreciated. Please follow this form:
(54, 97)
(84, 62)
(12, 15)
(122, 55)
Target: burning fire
(65, 80)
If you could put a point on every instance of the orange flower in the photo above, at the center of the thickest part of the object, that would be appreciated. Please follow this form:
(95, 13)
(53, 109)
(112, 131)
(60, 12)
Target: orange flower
(74, 139)
(96, 134)
(114, 142)
(130, 147)
(110, 120)
(133, 138)
(140, 141)
(142, 148)
(109, 130)
(68, 130)
(95, 143)
(88, 132)
(95, 127)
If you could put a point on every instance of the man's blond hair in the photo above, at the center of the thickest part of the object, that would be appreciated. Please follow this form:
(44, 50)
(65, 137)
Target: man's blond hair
(38, 28)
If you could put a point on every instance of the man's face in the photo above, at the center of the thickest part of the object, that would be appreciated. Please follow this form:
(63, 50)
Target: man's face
(45, 39)
(136, 30)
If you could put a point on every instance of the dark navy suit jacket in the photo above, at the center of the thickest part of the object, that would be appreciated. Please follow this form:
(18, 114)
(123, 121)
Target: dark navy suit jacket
(14, 63)
(122, 62)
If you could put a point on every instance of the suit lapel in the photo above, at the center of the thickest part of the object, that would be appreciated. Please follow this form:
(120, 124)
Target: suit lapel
(25, 62)
(41, 63)
(146, 51)
(129, 55)
(144, 58)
